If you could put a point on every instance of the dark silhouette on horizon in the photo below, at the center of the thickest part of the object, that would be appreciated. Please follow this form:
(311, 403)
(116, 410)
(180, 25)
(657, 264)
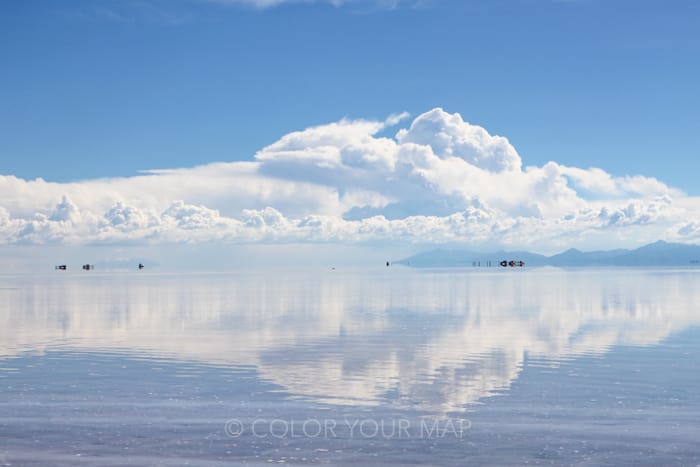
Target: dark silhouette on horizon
(658, 254)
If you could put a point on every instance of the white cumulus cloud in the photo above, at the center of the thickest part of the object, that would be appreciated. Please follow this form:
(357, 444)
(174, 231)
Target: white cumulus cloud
(439, 179)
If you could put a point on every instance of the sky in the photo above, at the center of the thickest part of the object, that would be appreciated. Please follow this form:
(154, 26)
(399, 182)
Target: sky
(539, 124)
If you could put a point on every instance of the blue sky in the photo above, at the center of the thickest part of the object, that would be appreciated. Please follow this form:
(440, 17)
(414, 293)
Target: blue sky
(482, 124)
(99, 88)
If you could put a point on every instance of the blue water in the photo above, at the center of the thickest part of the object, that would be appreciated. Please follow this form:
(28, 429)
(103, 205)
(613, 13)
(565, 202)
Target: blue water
(480, 366)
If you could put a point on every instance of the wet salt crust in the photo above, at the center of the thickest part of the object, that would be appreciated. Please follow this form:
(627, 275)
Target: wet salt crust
(441, 367)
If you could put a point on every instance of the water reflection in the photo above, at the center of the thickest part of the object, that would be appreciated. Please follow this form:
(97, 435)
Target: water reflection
(437, 341)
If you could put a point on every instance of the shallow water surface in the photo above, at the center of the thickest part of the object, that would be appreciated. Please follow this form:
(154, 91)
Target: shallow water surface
(482, 366)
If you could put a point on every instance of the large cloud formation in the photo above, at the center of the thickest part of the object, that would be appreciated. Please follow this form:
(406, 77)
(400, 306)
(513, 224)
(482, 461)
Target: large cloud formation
(439, 180)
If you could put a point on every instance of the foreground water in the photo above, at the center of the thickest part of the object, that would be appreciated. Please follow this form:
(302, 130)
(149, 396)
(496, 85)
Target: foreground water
(489, 366)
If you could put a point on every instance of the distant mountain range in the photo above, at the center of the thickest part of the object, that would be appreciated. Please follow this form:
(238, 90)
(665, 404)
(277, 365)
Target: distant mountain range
(655, 254)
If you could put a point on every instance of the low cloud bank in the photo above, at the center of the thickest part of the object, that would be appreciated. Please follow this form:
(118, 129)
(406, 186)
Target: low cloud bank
(437, 180)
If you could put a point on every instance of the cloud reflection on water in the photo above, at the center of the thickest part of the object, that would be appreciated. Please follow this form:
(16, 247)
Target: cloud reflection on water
(432, 340)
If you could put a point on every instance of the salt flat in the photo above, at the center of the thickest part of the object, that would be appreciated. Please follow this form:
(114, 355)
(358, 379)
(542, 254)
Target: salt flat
(436, 367)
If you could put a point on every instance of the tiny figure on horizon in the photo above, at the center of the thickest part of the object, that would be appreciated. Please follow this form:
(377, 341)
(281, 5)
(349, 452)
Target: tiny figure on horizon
(141, 266)
(61, 267)
(87, 267)
(511, 263)
(387, 264)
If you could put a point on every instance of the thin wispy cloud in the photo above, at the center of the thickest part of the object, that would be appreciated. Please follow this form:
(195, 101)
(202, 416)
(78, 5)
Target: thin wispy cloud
(374, 4)
(132, 12)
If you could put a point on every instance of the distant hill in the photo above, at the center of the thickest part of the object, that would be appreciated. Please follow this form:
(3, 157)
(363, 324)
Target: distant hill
(656, 254)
